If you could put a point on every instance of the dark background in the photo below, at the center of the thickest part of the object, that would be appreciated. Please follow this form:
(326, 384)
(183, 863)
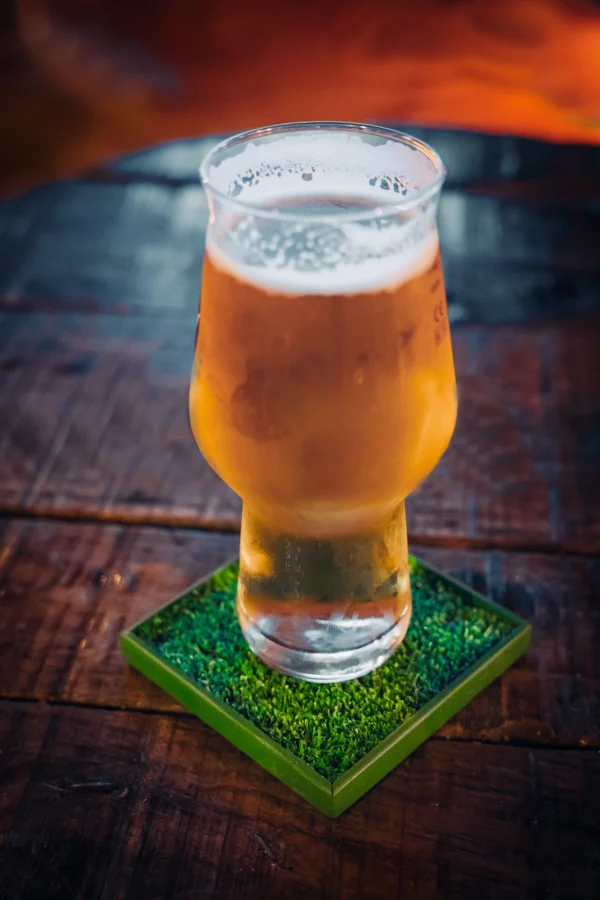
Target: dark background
(84, 81)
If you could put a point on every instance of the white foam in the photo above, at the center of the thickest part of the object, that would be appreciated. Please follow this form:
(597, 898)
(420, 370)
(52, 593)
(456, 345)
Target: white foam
(368, 275)
(331, 252)
(383, 170)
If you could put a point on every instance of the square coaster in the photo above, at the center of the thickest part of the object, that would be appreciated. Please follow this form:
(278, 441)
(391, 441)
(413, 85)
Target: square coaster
(333, 742)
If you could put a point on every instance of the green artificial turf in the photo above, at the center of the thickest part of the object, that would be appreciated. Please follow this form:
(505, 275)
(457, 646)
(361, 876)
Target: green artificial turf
(330, 726)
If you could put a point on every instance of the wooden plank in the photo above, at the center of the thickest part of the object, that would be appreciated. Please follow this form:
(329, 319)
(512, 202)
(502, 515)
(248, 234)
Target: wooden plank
(65, 636)
(478, 292)
(554, 691)
(95, 413)
(516, 392)
(94, 410)
(103, 246)
(505, 233)
(70, 589)
(493, 294)
(111, 804)
(137, 248)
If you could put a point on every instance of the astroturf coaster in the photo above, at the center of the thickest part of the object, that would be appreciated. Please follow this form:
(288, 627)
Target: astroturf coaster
(330, 743)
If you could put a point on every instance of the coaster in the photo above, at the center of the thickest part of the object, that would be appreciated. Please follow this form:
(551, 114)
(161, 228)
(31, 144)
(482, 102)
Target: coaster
(330, 743)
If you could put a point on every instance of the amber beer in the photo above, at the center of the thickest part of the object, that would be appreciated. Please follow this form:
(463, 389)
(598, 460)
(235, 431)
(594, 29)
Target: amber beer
(323, 411)
(323, 392)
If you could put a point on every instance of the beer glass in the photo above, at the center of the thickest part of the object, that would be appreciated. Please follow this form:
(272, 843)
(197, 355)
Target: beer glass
(323, 387)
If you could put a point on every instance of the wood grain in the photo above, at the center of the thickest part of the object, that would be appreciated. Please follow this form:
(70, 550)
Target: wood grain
(121, 248)
(109, 804)
(60, 638)
(95, 421)
(68, 590)
(136, 246)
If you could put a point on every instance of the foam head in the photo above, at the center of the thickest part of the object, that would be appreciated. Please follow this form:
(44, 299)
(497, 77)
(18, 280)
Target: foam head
(322, 210)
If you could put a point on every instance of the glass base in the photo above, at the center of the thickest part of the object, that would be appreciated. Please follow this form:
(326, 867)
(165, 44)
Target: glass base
(324, 609)
(320, 667)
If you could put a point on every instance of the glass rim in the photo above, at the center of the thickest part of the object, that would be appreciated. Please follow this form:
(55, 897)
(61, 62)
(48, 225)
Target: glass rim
(376, 212)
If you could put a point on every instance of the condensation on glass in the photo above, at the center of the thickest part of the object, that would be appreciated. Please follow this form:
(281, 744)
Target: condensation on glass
(323, 388)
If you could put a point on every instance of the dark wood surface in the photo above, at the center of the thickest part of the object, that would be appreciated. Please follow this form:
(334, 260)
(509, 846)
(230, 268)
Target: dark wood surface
(69, 590)
(108, 789)
(117, 803)
(98, 428)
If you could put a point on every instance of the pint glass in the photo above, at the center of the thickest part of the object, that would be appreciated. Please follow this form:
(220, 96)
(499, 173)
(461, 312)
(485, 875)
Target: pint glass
(323, 387)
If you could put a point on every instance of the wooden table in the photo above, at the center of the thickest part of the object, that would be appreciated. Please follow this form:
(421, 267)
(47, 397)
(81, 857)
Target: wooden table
(107, 788)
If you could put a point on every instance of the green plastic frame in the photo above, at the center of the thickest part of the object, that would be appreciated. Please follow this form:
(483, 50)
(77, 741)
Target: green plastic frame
(332, 798)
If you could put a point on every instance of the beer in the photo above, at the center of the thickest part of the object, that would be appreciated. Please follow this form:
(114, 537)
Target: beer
(323, 410)
(323, 384)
